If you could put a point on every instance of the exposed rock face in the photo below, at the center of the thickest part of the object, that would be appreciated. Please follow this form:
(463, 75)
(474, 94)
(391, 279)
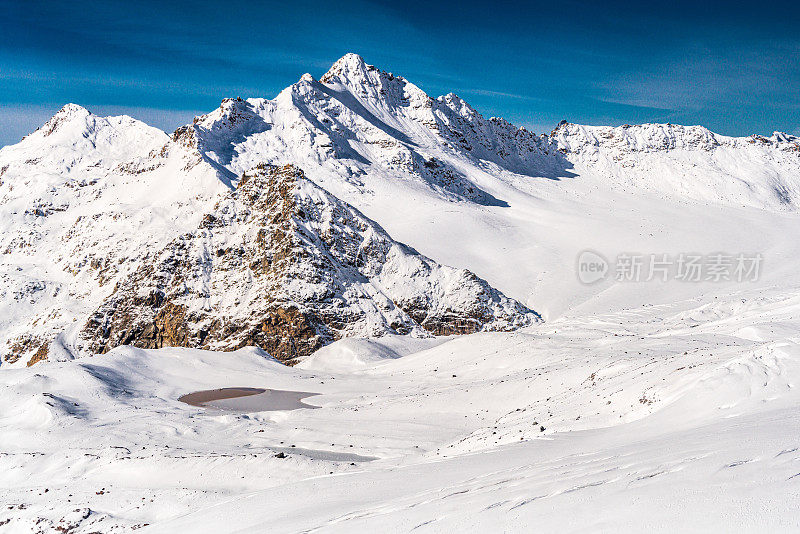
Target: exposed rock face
(282, 264)
(32, 348)
(40, 355)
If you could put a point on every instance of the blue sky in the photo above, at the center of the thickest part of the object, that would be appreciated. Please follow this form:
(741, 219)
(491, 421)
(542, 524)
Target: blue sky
(734, 67)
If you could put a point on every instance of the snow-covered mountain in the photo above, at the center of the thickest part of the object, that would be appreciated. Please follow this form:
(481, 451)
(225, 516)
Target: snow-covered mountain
(94, 208)
(281, 264)
(359, 125)
(690, 161)
(82, 200)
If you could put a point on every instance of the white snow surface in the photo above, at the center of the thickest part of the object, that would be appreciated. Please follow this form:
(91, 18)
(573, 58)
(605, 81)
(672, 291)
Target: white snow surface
(657, 406)
(689, 406)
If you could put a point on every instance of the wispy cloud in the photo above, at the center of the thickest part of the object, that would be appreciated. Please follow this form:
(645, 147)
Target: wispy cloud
(642, 104)
(694, 76)
(123, 82)
(500, 94)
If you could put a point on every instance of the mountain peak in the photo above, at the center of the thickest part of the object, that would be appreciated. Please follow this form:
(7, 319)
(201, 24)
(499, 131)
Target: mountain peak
(66, 114)
(458, 104)
(72, 109)
(348, 67)
(351, 60)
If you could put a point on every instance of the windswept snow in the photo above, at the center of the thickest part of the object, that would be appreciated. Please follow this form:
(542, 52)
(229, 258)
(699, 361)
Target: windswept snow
(606, 422)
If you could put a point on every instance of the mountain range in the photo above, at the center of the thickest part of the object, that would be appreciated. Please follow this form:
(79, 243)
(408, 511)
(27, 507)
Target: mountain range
(350, 206)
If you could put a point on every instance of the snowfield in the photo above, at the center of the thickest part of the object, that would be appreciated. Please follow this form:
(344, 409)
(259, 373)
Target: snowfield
(671, 417)
(654, 405)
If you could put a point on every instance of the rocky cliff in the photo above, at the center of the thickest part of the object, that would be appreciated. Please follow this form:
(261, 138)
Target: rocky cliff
(282, 264)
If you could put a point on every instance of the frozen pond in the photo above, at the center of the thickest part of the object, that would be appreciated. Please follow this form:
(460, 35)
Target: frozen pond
(248, 399)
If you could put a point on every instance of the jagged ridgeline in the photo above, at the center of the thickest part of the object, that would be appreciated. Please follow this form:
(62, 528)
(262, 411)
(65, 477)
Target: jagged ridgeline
(282, 264)
(89, 204)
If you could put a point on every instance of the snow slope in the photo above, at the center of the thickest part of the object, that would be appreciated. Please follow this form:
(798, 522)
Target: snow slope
(609, 422)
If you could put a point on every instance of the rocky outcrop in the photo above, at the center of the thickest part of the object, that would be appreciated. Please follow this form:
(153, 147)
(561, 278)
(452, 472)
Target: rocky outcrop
(32, 348)
(282, 264)
(40, 355)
